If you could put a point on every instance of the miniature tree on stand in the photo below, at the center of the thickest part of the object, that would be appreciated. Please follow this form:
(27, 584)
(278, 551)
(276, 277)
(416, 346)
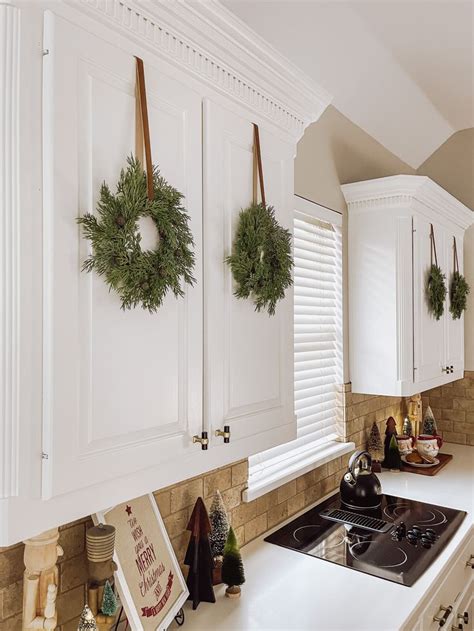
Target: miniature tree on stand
(109, 601)
(199, 557)
(232, 566)
(87, 620)
(407, 427)
(375, 447)
(218, 535)
(429, 423)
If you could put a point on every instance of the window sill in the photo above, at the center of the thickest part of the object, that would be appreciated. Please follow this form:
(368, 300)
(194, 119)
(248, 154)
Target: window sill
(295, 467)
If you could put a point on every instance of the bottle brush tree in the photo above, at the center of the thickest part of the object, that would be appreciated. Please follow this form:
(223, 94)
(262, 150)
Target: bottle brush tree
(232, 566)
(374, 444)
(109, 601)
(219, 525)
(87, 621)
(429, 422)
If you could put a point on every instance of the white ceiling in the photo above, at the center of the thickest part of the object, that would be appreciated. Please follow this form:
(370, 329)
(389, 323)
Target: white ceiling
(402, 70)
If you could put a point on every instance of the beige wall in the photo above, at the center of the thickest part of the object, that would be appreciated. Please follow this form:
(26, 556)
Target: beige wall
(452, 167)
(332, 152)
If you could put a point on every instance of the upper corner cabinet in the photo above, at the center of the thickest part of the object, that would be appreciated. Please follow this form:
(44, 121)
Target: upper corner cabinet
(398, 227)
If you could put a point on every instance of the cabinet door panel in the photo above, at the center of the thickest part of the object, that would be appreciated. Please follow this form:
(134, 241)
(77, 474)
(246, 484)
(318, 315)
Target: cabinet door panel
(248, 356)
(429, 333)
(454, 328)
(123, 389)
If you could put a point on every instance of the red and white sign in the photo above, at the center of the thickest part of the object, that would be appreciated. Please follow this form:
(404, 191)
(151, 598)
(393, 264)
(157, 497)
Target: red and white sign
(150, 581)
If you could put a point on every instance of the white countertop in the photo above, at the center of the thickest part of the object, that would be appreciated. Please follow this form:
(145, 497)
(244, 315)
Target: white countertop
(289, 591)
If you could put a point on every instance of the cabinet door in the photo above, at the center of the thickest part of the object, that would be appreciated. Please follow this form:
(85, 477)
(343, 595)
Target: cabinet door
(429, 333)
(248, 355)
(122, 389)
(454, 328)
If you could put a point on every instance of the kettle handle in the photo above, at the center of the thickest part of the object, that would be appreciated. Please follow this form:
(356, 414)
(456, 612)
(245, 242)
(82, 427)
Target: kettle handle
(355, 458)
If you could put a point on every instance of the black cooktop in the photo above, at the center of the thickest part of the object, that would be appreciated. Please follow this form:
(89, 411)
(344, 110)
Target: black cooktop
(397, 541)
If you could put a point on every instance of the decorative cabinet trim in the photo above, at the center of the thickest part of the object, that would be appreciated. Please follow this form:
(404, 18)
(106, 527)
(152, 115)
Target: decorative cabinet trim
(9, 247)
(408, 190)
(210, 42)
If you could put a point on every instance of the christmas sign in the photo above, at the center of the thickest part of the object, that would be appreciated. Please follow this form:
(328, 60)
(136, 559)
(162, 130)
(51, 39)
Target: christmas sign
(150, 582)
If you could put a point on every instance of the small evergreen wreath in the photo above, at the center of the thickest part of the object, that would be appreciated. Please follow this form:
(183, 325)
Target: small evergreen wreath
(436, 291)
(140, 277)
(261, 261)
(458, 295)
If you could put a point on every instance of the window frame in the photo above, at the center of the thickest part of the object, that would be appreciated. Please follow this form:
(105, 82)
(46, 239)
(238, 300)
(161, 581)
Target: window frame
(286, 467)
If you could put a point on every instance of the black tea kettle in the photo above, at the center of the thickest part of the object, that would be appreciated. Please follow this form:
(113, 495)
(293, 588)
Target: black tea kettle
(360, 488)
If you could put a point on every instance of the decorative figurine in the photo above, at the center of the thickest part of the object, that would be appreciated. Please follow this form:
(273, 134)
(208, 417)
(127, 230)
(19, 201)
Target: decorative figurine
(390, 431)
(199, 557)
(87, 621)
(407, 427)
(414, 412)
(40, 581)
(232, 567)
(100, 542)
(375, 448)
(429, 423)
(392, 460)
(218, 535)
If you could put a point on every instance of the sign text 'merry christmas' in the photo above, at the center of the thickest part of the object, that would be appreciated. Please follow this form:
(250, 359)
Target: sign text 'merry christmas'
(145, 560)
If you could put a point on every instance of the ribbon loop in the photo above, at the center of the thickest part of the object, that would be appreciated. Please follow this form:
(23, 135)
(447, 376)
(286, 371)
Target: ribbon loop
(143, 128)
(257, 167)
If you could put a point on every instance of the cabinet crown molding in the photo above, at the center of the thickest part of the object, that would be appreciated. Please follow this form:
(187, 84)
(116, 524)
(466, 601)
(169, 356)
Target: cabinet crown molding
(213, 44)
(407, 189)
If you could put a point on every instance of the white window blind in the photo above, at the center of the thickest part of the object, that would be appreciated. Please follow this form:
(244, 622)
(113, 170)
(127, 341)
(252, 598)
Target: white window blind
(317, 342)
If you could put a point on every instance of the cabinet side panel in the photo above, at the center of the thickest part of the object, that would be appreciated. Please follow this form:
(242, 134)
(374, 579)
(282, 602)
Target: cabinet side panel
(372, 264)
(9, 246)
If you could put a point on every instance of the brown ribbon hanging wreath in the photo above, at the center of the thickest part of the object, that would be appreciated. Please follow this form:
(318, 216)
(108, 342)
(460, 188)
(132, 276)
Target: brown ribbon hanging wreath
(140, 277)
(261, 260)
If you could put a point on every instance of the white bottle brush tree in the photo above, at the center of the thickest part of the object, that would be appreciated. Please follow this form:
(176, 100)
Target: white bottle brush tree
(87, 621)
(219, 526)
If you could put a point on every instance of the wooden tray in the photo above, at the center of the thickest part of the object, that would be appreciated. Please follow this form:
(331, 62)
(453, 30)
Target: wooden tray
(443, 461)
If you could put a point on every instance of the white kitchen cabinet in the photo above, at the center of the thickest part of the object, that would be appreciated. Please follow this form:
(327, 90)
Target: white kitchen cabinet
(451, 598)
(396, 345)
(248, 382)
(100, 404)
(122, 389)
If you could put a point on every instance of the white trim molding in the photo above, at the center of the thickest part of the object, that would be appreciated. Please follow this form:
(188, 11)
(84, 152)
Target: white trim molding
(9, 246)
(301, 461)
(398, 190)
(210, 42)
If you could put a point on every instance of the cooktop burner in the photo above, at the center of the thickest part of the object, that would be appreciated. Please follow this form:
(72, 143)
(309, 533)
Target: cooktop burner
(409, 535)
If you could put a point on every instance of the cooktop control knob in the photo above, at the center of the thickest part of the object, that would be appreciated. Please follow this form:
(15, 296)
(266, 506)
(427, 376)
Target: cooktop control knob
(429, 532)
(402, 529)
(412, 538)
(426, 543)
(416, 530)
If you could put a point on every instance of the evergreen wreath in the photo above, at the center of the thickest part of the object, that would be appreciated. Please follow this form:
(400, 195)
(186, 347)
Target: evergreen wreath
(140, 277)
(436, 286)
(436, 291)
(458, 295)
(261, 261)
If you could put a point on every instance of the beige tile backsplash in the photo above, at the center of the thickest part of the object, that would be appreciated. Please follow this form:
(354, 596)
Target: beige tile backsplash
(453, 405)
(453, 408)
